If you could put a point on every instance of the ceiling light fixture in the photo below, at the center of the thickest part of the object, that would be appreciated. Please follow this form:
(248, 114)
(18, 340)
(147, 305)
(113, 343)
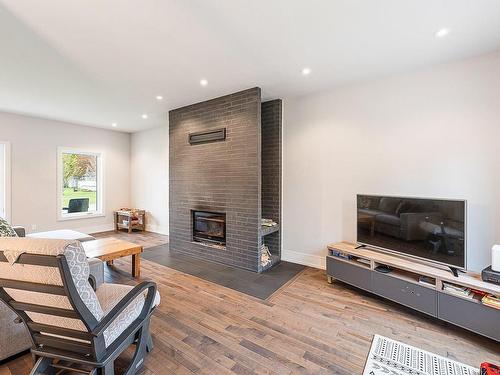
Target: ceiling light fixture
(441, 33)
(306, 71)
(203, 82)
(114, 124)
(144, 116)
(159, 97)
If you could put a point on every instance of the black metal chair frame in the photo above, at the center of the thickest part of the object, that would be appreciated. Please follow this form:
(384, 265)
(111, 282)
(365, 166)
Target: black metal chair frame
(53, 353)
(77, 205)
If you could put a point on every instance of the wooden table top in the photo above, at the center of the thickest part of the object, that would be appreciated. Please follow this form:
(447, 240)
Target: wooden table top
(110, 247)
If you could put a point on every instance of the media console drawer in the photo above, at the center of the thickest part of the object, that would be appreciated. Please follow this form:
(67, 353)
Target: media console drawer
(349, 273)
(401, 286)
(415, 296)
(470, 315)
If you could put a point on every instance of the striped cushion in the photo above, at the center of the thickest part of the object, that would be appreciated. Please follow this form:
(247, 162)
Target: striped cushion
(79, 270)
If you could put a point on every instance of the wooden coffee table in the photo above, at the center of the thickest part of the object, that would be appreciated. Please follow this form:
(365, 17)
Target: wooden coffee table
(109, 249)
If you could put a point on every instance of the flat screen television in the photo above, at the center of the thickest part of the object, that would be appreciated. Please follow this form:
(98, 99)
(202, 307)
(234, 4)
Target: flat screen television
(430, 229)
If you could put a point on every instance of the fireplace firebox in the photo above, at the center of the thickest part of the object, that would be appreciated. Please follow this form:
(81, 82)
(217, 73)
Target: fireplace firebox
(209, 227)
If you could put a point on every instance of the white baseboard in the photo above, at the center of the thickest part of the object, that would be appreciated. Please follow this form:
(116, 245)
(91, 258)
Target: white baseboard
(315, 261)
(157, 229)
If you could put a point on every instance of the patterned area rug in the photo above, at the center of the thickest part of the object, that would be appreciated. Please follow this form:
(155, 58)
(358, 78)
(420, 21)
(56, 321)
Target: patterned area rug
(389, 357)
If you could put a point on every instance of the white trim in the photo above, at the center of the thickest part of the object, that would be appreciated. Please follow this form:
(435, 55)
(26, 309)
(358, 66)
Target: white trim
(7, 181)
(79, 215)
(100, 184)
(315, 261)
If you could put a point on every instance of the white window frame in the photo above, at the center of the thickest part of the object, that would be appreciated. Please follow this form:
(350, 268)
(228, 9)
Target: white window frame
(7, 181)
(100, 184)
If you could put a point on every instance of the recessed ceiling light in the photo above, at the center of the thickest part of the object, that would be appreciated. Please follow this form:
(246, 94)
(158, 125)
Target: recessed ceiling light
(203, 82)
(114, 124)
(441, 33)
(144, 116)
(306, 71)
(159, 97)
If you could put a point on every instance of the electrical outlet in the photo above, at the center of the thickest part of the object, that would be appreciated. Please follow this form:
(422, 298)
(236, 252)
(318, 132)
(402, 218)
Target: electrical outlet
(33, 226)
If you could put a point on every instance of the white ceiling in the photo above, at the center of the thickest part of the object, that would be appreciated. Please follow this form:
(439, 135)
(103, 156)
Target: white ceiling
(96, 62)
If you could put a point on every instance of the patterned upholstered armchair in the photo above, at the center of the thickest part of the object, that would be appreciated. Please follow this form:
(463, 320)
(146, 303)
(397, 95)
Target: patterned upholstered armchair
(72, 326)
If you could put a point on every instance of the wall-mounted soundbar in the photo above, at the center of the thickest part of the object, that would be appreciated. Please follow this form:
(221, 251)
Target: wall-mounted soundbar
(214, 135)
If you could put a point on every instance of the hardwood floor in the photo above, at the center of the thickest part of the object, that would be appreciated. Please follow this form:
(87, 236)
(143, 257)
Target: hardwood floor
(145, 239)
(307, 327)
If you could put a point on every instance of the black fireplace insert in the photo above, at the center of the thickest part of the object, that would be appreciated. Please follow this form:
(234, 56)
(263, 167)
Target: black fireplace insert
(209, 227)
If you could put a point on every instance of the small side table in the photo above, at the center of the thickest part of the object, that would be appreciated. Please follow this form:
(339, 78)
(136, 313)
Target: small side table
(130, 219)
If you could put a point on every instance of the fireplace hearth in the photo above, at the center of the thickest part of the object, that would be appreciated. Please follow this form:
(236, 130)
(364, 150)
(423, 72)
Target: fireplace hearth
(209, 227)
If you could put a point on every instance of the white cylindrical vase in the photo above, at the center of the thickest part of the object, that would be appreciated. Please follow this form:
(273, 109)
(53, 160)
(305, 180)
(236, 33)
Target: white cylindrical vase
(495, 258)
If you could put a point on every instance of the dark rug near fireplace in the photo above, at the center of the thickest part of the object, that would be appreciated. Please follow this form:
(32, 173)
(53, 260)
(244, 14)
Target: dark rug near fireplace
(258, 285)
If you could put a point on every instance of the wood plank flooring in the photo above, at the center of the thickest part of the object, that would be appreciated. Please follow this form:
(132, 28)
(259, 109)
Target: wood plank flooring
(307, 327)
(145, 239)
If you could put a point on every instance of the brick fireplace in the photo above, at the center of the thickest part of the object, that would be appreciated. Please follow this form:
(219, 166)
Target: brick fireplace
(218, 186)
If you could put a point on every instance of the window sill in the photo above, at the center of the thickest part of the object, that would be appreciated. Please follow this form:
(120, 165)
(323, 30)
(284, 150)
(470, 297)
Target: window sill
(80, 216)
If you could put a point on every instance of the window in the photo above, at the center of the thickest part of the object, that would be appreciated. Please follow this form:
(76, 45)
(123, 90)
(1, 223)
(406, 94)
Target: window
(79, 184)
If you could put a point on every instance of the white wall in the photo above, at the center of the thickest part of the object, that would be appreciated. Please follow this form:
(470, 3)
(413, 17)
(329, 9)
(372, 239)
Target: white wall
(431, 133)
(34, 145)
(149, 172)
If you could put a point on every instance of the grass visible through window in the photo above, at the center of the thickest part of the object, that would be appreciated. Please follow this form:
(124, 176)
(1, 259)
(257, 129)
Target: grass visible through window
(80, 186)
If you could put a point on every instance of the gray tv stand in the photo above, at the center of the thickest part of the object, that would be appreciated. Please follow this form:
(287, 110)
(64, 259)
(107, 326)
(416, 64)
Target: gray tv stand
(402, 285)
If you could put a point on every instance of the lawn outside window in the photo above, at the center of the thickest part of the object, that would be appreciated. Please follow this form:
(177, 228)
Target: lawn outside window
(80, 187)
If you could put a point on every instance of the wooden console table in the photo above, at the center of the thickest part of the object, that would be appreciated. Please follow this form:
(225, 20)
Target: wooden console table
(123, 220)
(402, 285)
(109, 249)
